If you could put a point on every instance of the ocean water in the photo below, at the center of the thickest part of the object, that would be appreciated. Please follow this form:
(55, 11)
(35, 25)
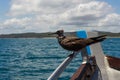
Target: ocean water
(36, 59)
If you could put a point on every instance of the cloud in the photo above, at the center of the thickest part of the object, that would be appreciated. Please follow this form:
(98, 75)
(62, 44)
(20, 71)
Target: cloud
(112, 20)
(50, 15)
(14, 25)
(24, 7)
(20, 7)
(88, 13)
(15, 21)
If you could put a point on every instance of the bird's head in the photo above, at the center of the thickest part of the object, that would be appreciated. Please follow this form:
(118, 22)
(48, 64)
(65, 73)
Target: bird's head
(59, 32)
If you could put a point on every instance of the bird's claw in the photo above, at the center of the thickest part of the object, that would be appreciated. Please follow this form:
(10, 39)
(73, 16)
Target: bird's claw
(71, 55)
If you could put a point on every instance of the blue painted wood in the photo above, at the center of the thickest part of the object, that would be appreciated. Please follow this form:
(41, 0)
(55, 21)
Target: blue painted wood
(83, 34)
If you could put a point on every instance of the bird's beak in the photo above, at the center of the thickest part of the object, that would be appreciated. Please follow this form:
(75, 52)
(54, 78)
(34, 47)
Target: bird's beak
(52, 33)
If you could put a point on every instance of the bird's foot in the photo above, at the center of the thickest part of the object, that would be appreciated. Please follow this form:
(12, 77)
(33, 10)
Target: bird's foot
(71, 55)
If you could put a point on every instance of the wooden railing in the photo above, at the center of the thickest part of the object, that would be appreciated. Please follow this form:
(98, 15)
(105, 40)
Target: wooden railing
(61, 67)
(87, 71)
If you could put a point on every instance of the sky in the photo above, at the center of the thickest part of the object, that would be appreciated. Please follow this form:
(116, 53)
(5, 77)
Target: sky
(21, 16)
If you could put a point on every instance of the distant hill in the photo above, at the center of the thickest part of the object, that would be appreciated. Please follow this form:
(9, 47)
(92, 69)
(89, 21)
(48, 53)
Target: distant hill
(33, 35)
(109, 34)
(43, 35)
(26, 35)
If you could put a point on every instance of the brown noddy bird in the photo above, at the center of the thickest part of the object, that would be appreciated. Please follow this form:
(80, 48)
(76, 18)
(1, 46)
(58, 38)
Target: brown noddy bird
(74, 43)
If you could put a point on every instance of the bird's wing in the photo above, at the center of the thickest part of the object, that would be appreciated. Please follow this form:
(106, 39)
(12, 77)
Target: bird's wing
(74, 41)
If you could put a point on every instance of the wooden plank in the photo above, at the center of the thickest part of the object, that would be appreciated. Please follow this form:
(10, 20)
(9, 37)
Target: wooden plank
(114, 62)
(86, 71)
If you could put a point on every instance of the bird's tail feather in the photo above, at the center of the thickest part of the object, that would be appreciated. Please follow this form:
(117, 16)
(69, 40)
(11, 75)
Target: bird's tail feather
(102, 36)
(98, 39)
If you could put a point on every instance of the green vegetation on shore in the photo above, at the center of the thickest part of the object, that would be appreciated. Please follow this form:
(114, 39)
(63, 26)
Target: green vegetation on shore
(43, 35)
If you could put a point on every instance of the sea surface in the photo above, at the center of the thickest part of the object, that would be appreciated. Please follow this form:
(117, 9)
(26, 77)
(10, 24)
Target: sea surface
(36, 59)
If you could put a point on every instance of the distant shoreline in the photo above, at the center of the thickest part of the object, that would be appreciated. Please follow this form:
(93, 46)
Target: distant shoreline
(113, 37)
(46, 35)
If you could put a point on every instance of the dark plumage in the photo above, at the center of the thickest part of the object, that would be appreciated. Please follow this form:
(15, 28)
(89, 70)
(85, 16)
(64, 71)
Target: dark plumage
(74, 43)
